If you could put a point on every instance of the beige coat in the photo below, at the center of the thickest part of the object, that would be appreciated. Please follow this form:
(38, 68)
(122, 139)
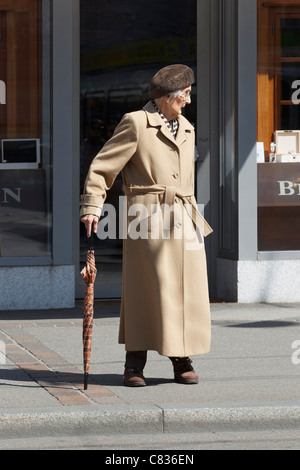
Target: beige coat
(165, 302)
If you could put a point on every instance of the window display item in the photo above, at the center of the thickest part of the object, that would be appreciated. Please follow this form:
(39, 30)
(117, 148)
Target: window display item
(288, 146)
(20, 153)
(287, 142)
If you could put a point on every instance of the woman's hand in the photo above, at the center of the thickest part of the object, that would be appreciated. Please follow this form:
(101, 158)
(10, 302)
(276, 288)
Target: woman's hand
(91, 223)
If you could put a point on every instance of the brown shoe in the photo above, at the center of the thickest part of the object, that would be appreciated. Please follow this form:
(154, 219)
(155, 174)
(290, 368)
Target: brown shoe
(133, 377)
(183, 371)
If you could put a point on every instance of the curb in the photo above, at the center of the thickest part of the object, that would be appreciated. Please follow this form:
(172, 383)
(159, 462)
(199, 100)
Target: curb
(234, 418)
(146, 419)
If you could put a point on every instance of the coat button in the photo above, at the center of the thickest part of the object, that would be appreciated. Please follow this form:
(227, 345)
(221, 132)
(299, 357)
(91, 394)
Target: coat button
(178, 225)
(176, 176)
(177, 200)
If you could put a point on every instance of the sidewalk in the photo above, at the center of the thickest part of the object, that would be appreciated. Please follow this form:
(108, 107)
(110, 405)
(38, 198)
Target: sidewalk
(250, 379)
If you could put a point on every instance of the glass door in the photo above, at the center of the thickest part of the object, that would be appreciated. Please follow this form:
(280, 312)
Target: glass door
(123, 44)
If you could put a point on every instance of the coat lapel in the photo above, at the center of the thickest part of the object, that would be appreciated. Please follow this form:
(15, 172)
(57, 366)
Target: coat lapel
(184, 131)
(184, 128)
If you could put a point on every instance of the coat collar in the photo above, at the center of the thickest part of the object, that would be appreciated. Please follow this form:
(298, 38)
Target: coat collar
(154, 120)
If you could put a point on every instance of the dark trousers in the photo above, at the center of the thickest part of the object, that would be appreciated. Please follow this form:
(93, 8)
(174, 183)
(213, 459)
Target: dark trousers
(136, 359)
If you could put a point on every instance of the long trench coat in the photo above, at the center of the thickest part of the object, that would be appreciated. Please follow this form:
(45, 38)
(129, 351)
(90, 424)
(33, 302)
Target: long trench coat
(165, 301)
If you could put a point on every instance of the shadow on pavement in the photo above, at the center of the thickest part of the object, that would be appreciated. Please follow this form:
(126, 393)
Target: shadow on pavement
(265, 324)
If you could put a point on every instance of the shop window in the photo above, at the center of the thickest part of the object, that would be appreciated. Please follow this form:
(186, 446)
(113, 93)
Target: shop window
(278, 132)
(25, 119)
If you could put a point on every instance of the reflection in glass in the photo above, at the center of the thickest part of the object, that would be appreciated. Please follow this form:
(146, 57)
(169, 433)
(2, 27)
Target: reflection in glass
(290, 37)
(25, 130)
(290, 117)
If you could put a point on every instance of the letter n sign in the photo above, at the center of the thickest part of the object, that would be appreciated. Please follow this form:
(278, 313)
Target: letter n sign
(2, 92)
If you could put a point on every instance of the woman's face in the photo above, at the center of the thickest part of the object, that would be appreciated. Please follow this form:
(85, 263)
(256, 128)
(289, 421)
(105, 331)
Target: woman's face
(171, 105)
(177, 101)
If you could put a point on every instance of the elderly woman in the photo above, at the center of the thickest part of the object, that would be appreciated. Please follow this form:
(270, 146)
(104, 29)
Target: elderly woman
(165, 302)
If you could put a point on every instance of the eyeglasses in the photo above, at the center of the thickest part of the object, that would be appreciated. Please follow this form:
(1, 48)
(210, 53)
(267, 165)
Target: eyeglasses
(186, 96)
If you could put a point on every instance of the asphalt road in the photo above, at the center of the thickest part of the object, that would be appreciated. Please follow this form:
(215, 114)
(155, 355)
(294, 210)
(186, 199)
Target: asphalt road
(283, 439)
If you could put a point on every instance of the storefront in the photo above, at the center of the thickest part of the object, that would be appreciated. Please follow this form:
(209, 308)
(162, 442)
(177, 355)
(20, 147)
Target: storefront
(69, 71)
(273, 274)
(39, 132)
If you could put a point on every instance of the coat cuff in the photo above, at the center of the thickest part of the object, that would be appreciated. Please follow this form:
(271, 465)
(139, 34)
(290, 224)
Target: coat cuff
(90, 205)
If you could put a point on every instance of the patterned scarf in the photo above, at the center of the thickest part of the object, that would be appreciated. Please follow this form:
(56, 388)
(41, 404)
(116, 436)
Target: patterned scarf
(172, 125)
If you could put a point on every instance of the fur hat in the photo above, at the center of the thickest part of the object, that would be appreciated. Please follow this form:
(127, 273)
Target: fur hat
(171, 78)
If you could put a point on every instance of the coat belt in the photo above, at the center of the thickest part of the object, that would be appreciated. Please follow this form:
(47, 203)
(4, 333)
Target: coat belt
(170, 194)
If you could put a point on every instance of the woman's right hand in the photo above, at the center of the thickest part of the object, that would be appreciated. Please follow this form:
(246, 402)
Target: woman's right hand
(91, 223)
